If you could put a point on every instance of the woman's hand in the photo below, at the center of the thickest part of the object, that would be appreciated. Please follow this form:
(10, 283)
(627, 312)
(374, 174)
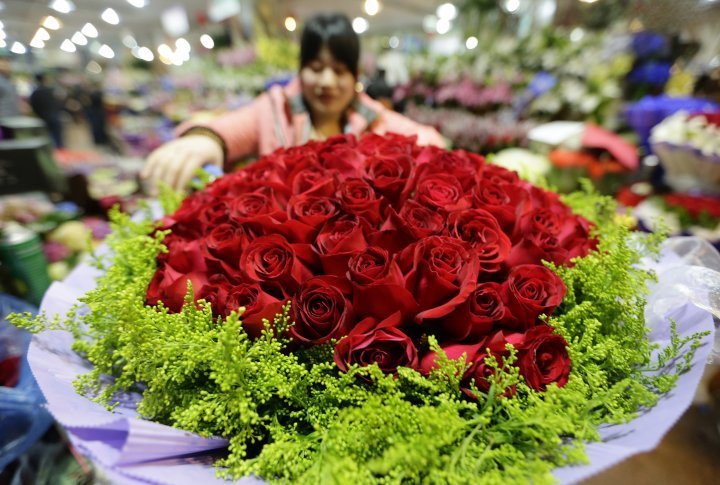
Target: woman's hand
(176, 162)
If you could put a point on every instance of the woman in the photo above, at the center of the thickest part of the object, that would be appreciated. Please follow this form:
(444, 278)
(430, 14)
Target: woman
(320, 103)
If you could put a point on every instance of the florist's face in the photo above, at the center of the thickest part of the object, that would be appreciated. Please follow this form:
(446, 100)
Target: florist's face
(328, 86)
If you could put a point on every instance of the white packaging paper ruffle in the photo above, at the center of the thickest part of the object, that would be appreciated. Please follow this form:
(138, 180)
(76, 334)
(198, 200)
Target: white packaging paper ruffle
(129, 449)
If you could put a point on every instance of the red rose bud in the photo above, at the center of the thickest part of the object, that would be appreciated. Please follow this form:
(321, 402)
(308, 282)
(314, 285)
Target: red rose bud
(483, 233)
(440, 272)
(271, 261)
(321, 310)
(378, 283)
(337, 242)
(506, 202)
(441, 191)
(390, 176)
(311, 210)
(478, 315)
(358, 197)
(382, 343)
(533, 290)
(543, 358)
(312, 179)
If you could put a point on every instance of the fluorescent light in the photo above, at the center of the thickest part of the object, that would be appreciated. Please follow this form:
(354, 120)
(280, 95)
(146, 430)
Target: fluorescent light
(182, 45)
(129, 41)
(42, 34)
(106, 51)
(68, 46)
(372, 7)
(18, 48)
(37, 43)
(51, 23)
(443, 26)
(62, 6)
(446, 11)
(89, 30)
(290, 24)
(110, 16)
(145, 54)
(359, 25)
(137, 3)
(471, 42)
(94, 67)
(79, 39)
(207, 41)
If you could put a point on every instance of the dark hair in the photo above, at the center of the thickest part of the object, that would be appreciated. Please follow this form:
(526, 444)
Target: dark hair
(335, 31)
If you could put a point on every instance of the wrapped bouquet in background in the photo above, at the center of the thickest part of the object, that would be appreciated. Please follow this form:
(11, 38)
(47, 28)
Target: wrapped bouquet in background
(688, 147)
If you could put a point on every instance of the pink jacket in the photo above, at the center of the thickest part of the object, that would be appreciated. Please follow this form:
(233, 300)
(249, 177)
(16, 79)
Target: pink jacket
(278, 118)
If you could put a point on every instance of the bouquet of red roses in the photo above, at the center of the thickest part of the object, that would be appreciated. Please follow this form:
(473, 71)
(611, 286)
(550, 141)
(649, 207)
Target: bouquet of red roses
(367, 311)
(379, 243)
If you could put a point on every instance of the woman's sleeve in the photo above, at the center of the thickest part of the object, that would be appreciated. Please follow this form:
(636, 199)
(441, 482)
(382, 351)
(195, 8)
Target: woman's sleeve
(238, 129)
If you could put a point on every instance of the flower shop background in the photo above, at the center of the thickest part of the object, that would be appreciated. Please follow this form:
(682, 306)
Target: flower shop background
(625, 93)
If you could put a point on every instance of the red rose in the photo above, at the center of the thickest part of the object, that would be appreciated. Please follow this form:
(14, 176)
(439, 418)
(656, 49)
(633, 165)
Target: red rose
(358, 197)
(312, 179)
(378, 284)
(214, 213)
(533, 290)
(381, 343)
(478, 372)
(388, 144)
(440, 191)
(412, 223)
(340, 153)
(184, 221)
(390, 175)
(543, 358)
(337, 242)
(312, 211)
(321, 310)
(440, 272)
(495, 174)
(506, 202)
(253, 205)
(184, 256)
(267, 173)
(226, 242)
(463, 165)
(258, 306)
(479, 315)
(170, 287)
(483, 233)
(271, 261)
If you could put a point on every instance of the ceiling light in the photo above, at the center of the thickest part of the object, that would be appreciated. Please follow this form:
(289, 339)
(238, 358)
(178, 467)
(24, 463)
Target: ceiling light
(446, 11)
(110, 16)
(443, 26)
(372, 7)
(79, 39)
(89, 30)
(182, 45)
(42, 34)
(18, 48)
(207, 41)
(359, 25)
(129, 41)
(93, 67)
(165, 51)
(62, 6)
(106, 51)
(588, 1)
(290, 24)
(512, 6)
(51, 23)
(471, 42)
(37, 43)
(68, 46)
(145, 54)
(137, 3)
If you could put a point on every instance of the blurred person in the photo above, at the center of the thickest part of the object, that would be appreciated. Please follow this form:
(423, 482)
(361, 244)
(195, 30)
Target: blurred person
(319, 103)
(379, 90)
(48, 107)
(9, 100)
